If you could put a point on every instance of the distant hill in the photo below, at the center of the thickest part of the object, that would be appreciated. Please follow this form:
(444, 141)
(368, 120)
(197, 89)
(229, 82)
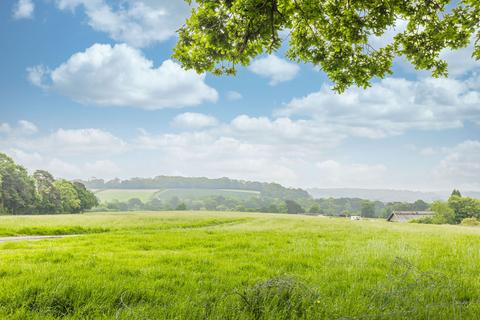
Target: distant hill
(266, 190)
(145, 195)
(385, 195)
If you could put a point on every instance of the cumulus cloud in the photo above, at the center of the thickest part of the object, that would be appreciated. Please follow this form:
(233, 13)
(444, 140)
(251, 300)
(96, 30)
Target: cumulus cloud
(26, 136)
(138, 23)
(38, 76)
(121, 76)
(460, 61)
(26, 127)
(62, 168)
(35, 161)
(461, 165)
(79, 141)
(23, 9)
(391, 107)
(22, 128)
(217, 155)
(275, 69)
(194, 120)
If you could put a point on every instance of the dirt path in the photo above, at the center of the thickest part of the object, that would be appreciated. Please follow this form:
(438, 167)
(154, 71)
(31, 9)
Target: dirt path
(29, 238)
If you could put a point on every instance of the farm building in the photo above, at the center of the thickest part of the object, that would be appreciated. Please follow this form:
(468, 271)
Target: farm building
(405, 216)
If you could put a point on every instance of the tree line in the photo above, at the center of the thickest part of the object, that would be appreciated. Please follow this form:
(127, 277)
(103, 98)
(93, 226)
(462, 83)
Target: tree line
(457, 209)
(328, 206)
(40, 193)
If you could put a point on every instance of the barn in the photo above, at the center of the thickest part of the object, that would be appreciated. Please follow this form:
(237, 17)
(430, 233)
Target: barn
(405, 216)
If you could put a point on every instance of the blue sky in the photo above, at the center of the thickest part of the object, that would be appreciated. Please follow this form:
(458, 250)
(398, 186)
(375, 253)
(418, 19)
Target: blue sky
(88, 88)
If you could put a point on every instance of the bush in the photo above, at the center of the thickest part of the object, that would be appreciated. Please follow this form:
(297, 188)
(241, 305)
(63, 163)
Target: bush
(471, 222)
(427, 220)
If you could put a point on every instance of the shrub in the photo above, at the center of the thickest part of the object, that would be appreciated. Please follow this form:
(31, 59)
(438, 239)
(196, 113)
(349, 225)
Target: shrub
(471, 222)
(426, 220)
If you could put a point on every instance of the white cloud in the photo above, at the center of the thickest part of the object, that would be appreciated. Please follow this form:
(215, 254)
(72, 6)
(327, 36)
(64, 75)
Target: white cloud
(460, 61)
(194, 120)
(121, 76)
(138, 23)
(215, 155)
(26, 136)
(26, 127)
(461, 165)
(79, 141)
(233, 95)
(23, 128)
(23, 9)
(335, 174)
(38, 75)
(5, 128)
(35, 161)
(64, 169)
(276, 69)
(391, 107)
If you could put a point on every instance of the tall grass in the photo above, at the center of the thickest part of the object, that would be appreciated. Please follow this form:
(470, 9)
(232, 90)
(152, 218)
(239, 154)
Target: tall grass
(203, 265)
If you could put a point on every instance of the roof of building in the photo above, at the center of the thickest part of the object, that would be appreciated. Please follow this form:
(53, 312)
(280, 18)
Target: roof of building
(408, 215)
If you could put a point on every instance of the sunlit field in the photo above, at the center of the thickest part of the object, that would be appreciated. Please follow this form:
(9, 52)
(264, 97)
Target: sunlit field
(206, 265)
(145, 195)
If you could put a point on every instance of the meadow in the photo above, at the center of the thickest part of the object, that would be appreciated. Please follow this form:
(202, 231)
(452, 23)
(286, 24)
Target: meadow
(123, 195)
(211, 265)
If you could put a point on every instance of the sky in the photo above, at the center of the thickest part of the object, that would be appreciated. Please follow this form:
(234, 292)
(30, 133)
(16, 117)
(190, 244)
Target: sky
(88, 88)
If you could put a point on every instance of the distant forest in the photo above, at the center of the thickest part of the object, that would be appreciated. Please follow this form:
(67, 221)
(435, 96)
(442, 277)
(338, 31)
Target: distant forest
(40, 193)
(306, 205)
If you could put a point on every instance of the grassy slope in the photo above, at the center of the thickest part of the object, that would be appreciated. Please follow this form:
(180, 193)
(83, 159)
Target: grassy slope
(166, 194)
(125, 194)
(201, 193)
(185, 265)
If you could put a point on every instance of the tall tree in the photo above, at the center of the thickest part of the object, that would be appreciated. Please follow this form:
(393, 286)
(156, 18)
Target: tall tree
(48, 196)
(464, 207)
(443, 213)
(456, 192)
(17, 192)
(87, 199)
(293, 207)
(368, 209)
(333, 34)
(69, 196)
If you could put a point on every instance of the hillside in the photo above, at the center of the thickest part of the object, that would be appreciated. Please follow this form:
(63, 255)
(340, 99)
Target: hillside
(268, 190)
(145, 195)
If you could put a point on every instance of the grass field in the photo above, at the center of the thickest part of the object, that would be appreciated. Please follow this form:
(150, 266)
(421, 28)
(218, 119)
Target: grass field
(109, 195)
(202, 193)
(145, 195)
(205, 265)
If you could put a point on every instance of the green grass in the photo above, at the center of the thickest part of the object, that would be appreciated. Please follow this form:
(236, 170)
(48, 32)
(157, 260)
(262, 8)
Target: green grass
(202, 193)
(145, 195)
(123, 195)
(206, 265)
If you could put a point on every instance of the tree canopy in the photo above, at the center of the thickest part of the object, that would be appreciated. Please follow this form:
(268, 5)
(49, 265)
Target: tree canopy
(335, 35)
(21, 193)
